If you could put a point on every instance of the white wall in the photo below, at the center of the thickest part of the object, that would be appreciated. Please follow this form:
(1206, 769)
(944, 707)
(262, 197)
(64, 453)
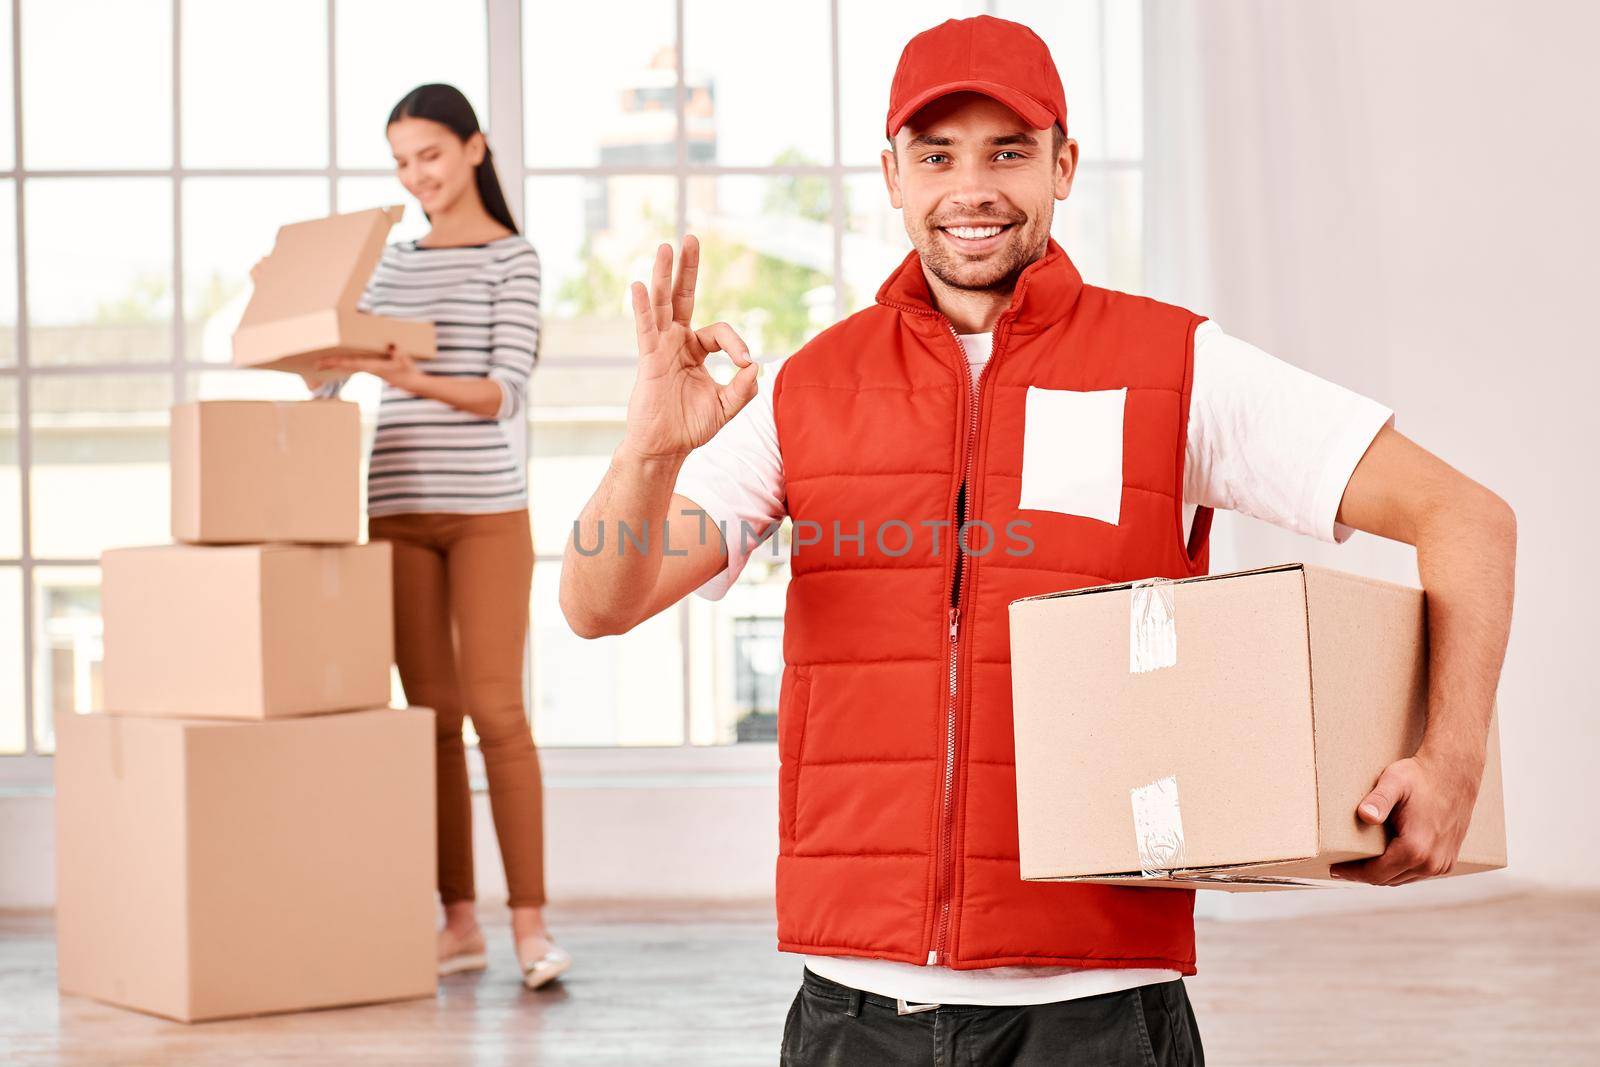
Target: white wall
(1402, 198)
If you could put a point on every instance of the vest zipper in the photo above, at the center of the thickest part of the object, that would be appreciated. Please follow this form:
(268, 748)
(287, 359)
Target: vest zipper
(946, 859)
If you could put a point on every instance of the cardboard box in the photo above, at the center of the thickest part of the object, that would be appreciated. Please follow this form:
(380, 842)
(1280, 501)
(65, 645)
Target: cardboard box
(260, 470)
(1218, 732)
(246, 631)
(214, 869)
(306, 292)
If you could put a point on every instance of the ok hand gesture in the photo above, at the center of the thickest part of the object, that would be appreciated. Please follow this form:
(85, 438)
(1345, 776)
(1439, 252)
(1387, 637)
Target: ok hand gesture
(676, 406)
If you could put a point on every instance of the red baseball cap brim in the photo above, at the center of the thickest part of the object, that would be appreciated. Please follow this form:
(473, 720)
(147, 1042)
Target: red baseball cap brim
(1038, 116)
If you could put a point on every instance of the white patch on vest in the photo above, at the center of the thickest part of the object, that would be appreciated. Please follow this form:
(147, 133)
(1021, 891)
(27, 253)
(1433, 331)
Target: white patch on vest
(1072, 452)
(1158, 826)
(1152, 626)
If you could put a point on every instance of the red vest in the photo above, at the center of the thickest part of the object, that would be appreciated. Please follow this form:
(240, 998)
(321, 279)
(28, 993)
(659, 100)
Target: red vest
(897, 793)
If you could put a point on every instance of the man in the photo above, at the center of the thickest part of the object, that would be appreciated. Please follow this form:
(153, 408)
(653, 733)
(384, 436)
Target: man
(1056, 435)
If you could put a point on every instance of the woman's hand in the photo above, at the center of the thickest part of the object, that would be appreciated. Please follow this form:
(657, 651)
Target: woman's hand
(676, 406)
(394, 367)
(313, 383)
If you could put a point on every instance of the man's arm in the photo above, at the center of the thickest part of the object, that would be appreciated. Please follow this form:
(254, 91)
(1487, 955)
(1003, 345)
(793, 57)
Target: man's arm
(611, 581)
(1466, 542)
(611, 578)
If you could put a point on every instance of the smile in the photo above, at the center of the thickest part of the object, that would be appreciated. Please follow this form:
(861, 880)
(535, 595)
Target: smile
(975, 239)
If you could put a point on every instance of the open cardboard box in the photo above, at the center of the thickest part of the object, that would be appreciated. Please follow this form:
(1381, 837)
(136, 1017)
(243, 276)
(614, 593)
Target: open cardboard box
(306, 292)
(1218, 732)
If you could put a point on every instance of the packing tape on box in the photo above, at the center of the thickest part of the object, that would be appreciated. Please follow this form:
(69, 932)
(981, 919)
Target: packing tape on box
(280, 411)
(115, 728)
(1152, 626)
(330, 572)
(1158, 826)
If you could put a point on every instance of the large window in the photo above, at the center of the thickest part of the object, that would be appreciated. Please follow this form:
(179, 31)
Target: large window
(129, 221)
(758, 128)
(132, 205)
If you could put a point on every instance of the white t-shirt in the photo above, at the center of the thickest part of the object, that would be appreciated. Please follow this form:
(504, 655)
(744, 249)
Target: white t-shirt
(1265, 438)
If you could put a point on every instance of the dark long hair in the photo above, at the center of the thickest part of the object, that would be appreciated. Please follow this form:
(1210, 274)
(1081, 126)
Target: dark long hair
(448, 106)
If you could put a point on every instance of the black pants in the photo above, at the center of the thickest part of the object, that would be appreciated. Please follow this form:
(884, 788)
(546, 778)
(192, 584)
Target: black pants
(831, 1025)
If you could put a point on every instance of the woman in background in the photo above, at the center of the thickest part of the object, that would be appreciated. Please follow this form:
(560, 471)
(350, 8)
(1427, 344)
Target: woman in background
(445, 487)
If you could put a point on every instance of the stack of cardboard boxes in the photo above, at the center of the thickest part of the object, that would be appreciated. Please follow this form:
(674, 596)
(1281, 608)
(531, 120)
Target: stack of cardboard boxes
(248, 827)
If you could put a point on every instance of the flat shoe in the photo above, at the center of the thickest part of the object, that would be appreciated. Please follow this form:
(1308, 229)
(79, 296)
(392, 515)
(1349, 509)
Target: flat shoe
(462, 956)
(539, 971)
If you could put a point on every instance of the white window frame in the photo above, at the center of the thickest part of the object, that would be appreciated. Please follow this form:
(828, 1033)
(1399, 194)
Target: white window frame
(32, 771)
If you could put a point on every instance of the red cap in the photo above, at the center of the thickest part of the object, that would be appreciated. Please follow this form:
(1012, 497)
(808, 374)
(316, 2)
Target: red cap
(1002, 60)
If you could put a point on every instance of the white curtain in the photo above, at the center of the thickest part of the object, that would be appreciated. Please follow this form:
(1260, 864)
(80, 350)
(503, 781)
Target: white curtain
(1401, 197)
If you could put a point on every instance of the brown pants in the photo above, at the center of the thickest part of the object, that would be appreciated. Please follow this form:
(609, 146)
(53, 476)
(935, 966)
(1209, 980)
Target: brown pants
(461, 589)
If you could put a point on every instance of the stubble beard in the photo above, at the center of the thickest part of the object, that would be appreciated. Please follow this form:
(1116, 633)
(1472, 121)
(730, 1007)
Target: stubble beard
(999, 271)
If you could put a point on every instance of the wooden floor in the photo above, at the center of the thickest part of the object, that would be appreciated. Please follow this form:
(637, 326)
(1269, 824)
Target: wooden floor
(1515, 981)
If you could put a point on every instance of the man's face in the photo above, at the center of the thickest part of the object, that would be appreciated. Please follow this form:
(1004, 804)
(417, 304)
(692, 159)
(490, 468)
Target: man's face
(977, 188)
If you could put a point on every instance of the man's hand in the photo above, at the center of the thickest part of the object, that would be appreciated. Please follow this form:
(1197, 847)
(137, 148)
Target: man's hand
(676, 406)
(1428, 801)
(394, 367)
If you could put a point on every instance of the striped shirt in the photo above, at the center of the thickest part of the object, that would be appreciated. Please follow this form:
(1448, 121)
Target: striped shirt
(483, 300)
